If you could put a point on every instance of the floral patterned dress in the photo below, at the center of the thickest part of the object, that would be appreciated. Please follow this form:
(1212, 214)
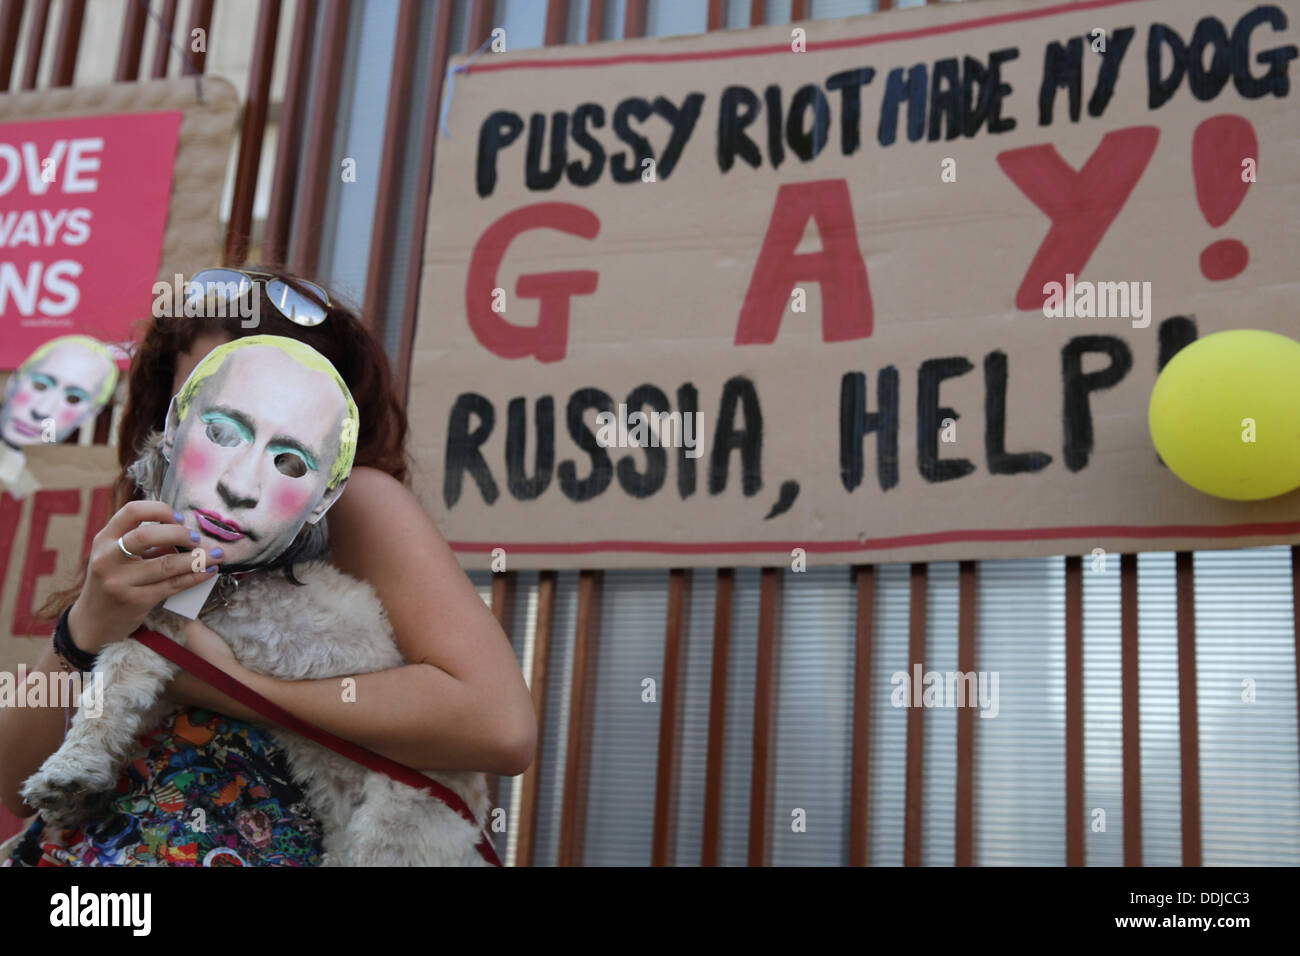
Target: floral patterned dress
(204, 790)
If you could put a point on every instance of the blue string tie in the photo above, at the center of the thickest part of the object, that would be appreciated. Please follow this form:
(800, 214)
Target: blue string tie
(451, 84)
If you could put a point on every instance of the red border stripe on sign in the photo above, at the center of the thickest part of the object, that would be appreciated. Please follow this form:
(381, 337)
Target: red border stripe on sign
(898, 541)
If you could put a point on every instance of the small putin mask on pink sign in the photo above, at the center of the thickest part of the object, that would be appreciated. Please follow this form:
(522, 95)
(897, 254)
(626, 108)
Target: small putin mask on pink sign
(60, 387)
(259, 442)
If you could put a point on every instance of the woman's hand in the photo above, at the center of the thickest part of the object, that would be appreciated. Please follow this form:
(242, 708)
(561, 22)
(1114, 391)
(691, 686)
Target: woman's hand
(120, 591)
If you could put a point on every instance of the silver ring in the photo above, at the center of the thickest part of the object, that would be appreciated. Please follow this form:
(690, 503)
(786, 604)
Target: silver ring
(124, 551)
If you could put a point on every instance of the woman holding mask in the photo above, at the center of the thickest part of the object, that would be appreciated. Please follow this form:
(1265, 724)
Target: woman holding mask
(461, 702)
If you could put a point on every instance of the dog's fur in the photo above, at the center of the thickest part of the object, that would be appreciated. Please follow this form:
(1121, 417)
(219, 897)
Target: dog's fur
(331, 627)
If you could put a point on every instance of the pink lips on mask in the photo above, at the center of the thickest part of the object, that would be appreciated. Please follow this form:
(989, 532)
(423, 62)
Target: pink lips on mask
(22, 428)
(217, 526)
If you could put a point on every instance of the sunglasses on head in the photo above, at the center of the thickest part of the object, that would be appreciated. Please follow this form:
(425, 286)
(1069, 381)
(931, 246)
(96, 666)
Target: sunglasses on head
(227, 286)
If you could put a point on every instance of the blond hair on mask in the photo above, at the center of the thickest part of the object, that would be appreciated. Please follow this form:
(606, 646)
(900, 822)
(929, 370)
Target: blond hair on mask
(305, 356)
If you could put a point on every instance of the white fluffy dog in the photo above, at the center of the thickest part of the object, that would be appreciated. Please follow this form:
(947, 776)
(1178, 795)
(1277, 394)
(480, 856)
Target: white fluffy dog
(331, 627)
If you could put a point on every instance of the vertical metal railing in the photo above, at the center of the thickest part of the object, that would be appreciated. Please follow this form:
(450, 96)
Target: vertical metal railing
(289, 141)
(11, 20)
(252, 133)
(162, 50)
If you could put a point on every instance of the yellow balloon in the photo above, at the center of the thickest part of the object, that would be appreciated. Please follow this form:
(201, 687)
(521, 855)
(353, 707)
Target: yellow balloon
(1225, 414)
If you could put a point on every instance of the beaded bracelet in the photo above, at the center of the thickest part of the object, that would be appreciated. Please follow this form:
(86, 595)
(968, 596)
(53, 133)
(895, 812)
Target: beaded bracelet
(67, 650)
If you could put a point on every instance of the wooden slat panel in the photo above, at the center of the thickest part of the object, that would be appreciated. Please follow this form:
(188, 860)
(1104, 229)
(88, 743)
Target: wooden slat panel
(68, 43)
(503, 598)
(717, 14)
(711, 840)
(757, 13)
(503, 593)
(252, 133)
(912, 819)
(765, 695)
(1295, 611)
(671, 702)
(799, 10)
(130, 48)
(35, 43)
(480, 23)
(1189, 748)
(1074, 811)
(200, 19)
(967, 591)
(388, 205)
(573, 820)
(864, 580)
(11, 18)
(284, 178)
(321, 164)
(557, 22)
(634, 20)
(525, 846)
(595, 20)
(428, 148)
(162, 50)
(1130, 709)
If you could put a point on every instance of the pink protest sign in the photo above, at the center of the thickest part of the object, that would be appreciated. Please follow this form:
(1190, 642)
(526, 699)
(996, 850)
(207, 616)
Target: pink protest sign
(83, 207)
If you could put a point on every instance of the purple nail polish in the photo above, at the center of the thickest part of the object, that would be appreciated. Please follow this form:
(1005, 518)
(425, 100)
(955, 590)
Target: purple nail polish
(194, 536)
(210, 568)
(215, 553)
(179, 518)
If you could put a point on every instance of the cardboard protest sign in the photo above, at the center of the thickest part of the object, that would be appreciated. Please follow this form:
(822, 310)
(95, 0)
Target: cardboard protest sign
(893, 288)
(45, 539)
(103, 191)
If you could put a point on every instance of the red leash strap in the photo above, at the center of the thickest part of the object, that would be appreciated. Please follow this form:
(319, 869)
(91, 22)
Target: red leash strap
(187, 660)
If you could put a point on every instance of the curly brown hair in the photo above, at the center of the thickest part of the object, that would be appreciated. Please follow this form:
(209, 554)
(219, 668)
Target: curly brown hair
(341, 337)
